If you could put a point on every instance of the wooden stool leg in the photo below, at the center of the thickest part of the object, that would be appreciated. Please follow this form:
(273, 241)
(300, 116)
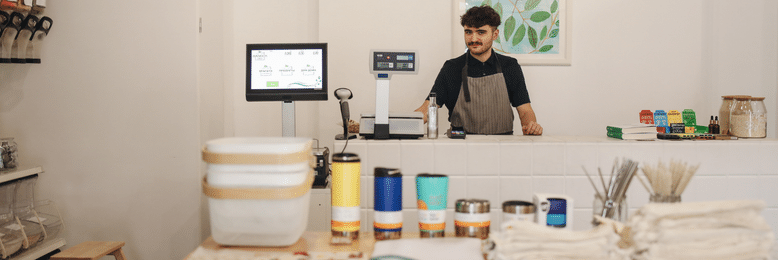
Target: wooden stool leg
(119, 254)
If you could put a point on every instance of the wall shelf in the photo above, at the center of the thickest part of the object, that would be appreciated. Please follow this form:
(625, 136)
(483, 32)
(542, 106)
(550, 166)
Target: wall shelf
(40, 250)
(18, 174)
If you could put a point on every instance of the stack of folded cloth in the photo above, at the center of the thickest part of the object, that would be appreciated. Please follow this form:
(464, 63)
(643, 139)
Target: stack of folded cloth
(529, 240)
(702, 230)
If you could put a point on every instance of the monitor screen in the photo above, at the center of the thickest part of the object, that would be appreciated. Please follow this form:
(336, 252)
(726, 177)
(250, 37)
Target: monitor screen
(286, 71)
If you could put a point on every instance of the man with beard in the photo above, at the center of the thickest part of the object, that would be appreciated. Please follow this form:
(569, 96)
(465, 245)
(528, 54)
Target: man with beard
(480, 87)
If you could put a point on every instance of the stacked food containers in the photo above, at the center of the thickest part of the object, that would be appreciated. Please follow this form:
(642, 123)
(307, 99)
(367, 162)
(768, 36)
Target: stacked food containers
(24, 222)
(258, 189)
(11, 240)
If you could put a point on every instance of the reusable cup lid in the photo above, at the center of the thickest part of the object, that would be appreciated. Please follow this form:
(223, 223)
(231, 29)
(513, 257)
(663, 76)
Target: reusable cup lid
(431, 175)
(387, 172)
(472, 206)
(518, 207)
(345, 157)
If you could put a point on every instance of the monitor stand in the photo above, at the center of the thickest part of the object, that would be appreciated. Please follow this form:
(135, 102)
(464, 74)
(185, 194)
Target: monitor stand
(287, 119)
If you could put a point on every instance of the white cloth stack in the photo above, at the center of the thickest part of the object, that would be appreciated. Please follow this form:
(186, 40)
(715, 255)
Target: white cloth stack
(529, 240)
(729, 230)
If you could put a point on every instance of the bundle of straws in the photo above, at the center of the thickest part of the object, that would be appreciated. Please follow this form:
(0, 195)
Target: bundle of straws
(614, 192)
(667, 181)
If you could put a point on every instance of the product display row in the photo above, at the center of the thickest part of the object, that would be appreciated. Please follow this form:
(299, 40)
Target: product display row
(22, 30)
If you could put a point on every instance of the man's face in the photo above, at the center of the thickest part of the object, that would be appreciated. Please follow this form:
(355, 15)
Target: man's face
(479, 40)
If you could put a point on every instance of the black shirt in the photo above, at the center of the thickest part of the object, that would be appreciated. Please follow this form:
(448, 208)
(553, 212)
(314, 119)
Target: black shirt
(449, 81)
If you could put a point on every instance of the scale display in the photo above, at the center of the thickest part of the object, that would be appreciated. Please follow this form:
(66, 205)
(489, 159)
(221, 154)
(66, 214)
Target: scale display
(389, 61)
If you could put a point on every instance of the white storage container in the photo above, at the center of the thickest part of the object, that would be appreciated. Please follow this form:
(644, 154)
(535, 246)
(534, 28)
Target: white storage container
(258, 189)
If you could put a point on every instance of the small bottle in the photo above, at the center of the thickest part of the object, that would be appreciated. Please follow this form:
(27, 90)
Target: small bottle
(714, 127)
(432, 118)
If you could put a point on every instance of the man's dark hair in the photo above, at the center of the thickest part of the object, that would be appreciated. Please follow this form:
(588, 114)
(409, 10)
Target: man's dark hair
(479, 16)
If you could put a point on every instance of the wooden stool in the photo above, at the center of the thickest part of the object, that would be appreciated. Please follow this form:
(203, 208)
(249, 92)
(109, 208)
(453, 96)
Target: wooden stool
(92, 250)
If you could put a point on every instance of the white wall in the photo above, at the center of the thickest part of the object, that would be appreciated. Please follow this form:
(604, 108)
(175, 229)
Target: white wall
(111, 115)
(265, 22)
(210, 81)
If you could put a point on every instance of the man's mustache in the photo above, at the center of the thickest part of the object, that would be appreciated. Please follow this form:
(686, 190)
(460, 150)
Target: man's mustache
(474, 44)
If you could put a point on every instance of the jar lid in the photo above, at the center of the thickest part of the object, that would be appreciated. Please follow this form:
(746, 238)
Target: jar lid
(741, 98)
(472, 206)
(518, 207)
(733, 96)
(757, 98)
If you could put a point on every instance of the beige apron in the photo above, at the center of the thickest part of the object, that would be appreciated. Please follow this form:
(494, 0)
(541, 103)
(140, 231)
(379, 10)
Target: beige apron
(483, 106)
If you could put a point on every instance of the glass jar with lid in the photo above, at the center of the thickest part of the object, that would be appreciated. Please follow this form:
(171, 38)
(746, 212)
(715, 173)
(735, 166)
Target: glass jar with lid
(8, 153)
(726, 106)
(748, 121)
(759, 112)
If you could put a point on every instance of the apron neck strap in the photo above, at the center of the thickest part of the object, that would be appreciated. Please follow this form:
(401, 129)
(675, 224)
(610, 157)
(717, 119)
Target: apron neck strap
(465, 87)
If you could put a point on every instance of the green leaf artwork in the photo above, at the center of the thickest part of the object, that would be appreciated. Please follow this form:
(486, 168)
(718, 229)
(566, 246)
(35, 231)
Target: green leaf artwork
(532, 35)
(554, 7)
(537, 21)
(540, 16)
(553, 33)
(508, 27)
(531, 4)
(498, 8)
(519, 36)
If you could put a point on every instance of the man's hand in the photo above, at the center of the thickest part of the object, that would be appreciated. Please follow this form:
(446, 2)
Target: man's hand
(529, 124)
(423, 109)
(532, 128)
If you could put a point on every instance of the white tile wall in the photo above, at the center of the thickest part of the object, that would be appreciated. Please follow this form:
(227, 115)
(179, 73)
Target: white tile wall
(548, 184)
(486, 188)
(417, 157)
(767, 186)
(514, 188)
(457, 189)
(483, 158)
(409, 192)
(734, 192)
(579, 156)
(771, 216)
(451, 158)
(515, 158)
(703, 188)
(500, 168)
(548, 159)
(382, 154)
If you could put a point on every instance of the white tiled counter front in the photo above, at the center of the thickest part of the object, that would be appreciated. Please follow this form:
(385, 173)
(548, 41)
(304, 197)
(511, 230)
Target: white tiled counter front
(500, 168)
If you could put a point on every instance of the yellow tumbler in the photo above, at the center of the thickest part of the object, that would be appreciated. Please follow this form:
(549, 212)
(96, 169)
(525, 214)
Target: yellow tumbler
(345, 197)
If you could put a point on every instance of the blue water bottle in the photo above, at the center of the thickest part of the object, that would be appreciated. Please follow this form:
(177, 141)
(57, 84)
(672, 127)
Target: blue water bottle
(388, 217)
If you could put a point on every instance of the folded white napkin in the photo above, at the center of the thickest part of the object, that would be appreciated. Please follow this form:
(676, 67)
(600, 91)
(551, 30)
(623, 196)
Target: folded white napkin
(701, 230)
(528, 240)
